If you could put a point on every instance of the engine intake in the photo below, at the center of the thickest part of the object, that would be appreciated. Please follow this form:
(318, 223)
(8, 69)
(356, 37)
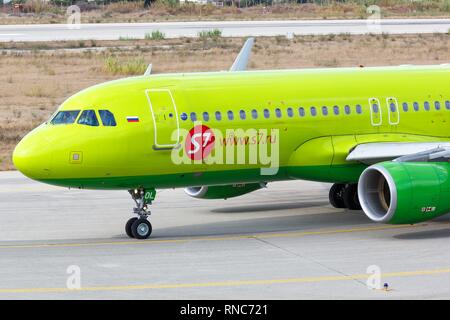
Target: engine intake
(222, 192)
(196, 192)
(405, 192)
(377, 194)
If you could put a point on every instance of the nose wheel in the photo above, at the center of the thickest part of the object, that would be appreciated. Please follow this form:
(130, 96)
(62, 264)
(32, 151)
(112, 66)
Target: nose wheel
(128, 227)
(139, 227)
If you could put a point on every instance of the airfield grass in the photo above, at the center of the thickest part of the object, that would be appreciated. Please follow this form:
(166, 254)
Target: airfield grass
(37, 77)
(39, 11)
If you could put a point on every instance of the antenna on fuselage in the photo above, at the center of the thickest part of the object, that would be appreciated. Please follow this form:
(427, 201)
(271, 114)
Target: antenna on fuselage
(240, 64)
(149, 70)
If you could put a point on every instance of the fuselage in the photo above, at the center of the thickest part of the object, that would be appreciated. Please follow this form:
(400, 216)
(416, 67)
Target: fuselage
(313, 116)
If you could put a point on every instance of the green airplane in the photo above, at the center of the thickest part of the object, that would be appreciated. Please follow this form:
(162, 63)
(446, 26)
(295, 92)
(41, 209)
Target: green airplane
(380, 134)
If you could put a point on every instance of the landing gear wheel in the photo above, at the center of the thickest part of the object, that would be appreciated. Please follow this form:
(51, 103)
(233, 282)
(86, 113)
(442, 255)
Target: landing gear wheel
(141, 228)
(350, 196)
(128, 227)
(336, 195)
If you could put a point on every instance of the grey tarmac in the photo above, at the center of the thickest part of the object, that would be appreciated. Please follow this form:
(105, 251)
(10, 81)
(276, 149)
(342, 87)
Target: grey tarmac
(283, 242)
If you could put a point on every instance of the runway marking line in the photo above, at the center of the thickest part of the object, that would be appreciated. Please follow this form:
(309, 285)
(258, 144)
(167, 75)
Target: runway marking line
(206, 238)
(226, 283)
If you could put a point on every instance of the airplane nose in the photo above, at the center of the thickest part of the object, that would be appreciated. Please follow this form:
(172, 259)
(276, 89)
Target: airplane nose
(31, 157)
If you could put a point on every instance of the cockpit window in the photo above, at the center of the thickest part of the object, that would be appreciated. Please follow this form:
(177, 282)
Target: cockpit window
(65, 117)
(88, 118)
(107, 118)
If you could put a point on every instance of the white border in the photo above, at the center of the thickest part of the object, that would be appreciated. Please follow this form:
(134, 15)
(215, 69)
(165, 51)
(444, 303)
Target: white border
(380, 113)
(154, 120)
(389, 110)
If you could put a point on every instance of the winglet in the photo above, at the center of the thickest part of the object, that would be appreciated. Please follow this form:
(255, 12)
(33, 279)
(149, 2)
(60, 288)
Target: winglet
(240, 64)
(149, 70)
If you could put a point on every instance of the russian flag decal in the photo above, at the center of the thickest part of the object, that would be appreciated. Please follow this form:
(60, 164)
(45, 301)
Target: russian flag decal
(133, 119)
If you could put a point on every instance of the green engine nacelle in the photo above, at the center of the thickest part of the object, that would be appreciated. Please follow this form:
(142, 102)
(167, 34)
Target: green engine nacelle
(222, 192)
(405, 192)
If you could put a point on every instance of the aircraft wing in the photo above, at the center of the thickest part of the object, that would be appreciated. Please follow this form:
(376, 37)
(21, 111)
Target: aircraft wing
(370, 153)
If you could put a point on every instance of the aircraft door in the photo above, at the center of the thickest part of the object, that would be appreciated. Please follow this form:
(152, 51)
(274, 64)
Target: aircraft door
(165, 118)
(376, 117)
(393, 112)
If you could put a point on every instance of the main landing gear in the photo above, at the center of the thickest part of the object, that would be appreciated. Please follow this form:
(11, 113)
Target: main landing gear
(139, 227)
(345, 196)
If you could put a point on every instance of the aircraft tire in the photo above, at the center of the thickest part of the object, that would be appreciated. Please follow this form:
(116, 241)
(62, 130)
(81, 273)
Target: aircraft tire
(141, 228)
(336, 195)
(350, 196)
(128, 227)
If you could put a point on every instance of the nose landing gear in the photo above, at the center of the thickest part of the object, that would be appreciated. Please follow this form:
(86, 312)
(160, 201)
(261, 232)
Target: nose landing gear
(139, 227)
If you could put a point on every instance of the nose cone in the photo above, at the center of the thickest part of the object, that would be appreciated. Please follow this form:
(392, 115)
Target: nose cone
(32, 157)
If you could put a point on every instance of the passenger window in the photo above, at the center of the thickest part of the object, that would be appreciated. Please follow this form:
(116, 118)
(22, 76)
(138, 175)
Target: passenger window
(230, 115)
(193, 116)
(184, 116)
(301, 112)
(65, 117)
(336, 110)
(437, 105)
(218, 116)
(290, 112)
(393, 107)
(278, 112)
(254, 114)
(347, 109)
(325, 111)
(416, 106)
(107, 118)
(426, 106)
(266, 113)
(313, 111)
(447, 104)
(88, 118)
(242, 114)
(375, 108)
(405, 106)
(205, 116)
(358, 109)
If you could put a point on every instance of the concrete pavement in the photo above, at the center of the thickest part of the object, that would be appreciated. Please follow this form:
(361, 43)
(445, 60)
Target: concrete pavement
(283, 242)
(54, 32)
